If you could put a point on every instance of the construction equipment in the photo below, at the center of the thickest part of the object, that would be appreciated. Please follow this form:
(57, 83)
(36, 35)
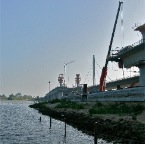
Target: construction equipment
(65, 64)
(104, 70)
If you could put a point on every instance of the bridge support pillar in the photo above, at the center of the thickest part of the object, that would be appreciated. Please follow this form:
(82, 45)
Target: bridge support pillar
(142, 75)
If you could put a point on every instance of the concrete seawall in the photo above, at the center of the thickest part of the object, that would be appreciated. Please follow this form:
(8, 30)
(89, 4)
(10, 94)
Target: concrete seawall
(129, 94)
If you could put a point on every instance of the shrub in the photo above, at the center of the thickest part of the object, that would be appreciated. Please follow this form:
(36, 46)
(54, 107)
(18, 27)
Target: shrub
(117, 108)
(55, 101)
(92, 111)
(37, 105)
(134, 117)
(70, 104)
(98, 104)
(137, 109)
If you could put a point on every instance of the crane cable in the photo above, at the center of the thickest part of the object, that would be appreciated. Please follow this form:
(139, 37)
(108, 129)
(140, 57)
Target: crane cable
(122, 27)
(101, 68)
(88, 73)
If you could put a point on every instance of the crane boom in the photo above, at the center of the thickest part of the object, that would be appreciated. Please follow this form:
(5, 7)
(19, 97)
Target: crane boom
(65, 64)
(104, 70)
(69, 62)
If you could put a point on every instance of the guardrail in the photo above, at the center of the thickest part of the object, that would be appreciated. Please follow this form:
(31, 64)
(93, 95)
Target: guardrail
(130, 47)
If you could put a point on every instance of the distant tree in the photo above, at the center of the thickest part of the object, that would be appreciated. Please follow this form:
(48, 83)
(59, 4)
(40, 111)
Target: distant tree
(37, 98)
(18, 95)
(3, 96)
(11, 97)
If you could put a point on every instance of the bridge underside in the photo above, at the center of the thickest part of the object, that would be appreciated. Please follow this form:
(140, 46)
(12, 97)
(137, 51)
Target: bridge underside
(122, 83)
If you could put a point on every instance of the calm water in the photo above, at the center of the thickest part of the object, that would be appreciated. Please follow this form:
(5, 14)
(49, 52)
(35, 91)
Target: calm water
(20, 124)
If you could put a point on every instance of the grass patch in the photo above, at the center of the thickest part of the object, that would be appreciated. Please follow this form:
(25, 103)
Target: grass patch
(117, 108)
(70, 104)
(55, 101)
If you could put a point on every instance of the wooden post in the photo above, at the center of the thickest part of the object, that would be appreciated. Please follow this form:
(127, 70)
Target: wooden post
(65, 127)
(95, 133)
(50, 121)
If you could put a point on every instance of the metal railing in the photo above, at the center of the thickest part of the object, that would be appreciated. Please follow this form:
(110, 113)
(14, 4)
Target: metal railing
(127, 48)
(130, 47)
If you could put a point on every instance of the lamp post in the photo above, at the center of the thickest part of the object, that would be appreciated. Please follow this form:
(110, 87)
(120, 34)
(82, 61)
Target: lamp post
(49, 86)
(49, 89)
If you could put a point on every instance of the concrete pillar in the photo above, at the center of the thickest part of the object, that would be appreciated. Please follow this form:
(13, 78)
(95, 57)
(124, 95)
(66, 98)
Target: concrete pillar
(84, 96)
(143, 35)
(142, 75)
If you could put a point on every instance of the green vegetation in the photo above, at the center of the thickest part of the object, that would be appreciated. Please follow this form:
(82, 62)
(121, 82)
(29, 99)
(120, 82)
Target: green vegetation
(38, 105)
(17, 96)
(55, 101)
(60, 104)
(69, 104)
(3, 97)
(119, 108)
(116, 108)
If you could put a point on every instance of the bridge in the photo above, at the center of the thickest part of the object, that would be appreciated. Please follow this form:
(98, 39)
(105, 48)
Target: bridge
(121, 83)
(133, 55)
(60, 92)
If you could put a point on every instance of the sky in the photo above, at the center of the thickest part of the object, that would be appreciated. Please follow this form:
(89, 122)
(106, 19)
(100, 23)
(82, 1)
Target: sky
(38, 36)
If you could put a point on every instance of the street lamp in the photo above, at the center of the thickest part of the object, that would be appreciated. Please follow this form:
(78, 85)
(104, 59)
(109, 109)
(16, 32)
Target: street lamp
(49, 86)
(49, 90)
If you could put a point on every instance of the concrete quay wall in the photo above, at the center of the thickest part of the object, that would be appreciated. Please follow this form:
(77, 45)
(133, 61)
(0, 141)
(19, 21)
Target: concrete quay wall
(130, 94)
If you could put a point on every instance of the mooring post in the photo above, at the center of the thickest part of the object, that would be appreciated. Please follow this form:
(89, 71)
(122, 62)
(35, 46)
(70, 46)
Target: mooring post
(50, 121)
(95, 133)
(65, 127)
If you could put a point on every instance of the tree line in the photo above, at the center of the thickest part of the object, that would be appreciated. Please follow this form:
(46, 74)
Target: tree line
(17, 96)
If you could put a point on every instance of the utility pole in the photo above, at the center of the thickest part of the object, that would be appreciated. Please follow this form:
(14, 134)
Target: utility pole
(49, 86)
(49, 90)
(93, 70)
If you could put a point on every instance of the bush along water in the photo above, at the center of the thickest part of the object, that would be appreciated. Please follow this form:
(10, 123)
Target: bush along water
(117, 108)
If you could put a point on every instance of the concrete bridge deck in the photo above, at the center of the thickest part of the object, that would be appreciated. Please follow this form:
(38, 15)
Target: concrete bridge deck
(60, 92)
(125, 82)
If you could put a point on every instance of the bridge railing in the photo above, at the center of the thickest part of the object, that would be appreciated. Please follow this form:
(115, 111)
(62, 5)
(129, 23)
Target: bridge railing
(130, 47)
(127, 48)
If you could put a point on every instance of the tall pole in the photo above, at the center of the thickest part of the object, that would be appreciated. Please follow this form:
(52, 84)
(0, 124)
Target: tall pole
(49, 86)
(49, 89)
(93, 70)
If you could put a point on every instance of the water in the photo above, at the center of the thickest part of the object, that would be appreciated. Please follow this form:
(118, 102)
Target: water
(20, 124)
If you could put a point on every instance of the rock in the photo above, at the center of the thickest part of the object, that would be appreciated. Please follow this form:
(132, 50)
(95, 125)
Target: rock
(127, 134)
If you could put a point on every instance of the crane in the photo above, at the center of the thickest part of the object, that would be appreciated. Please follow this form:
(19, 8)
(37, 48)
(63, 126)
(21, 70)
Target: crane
(65, 64)
(104, 70)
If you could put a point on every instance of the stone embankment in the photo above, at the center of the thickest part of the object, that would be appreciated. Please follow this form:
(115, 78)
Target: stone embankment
(111, 127)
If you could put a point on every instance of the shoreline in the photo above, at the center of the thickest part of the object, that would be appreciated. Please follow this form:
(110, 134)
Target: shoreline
(110, 127)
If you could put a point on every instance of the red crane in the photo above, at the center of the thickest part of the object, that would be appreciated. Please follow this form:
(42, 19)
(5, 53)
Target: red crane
(104, 70)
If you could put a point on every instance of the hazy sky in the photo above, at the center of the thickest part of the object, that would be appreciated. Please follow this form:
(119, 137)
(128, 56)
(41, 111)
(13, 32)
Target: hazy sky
(38, 36)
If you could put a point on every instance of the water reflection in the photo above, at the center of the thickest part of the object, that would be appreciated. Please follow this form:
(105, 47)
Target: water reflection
(20, 124)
